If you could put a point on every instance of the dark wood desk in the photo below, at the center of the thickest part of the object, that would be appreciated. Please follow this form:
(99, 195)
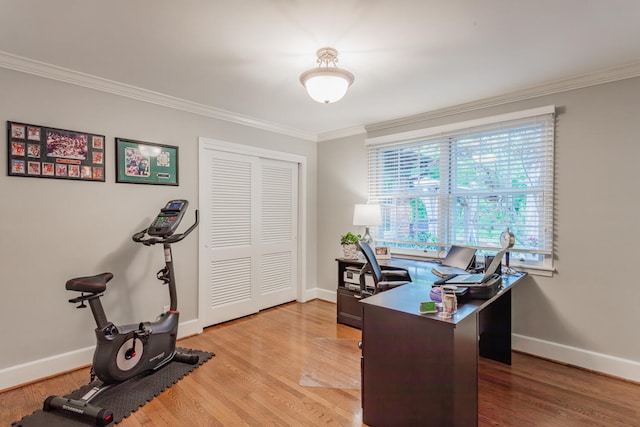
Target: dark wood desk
(418, 369)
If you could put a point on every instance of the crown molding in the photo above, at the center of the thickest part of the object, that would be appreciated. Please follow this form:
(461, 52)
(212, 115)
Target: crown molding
(342, 133)
(549, 88)
(54, 72)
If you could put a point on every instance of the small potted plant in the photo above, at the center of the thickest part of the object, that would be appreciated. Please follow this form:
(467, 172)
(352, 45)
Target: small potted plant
(349, 244)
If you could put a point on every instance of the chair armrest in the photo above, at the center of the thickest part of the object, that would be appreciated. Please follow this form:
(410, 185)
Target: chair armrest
(396, 275)
(392, 283)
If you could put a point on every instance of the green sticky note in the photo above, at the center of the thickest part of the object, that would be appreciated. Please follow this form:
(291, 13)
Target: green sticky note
(428, 307)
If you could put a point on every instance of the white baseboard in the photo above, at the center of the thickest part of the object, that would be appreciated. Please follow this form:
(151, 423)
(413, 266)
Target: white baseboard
(37, 369)
(188, 328)
(308, 295)
(319, 293)
(599, 362)
(50, 366)
(326, 295)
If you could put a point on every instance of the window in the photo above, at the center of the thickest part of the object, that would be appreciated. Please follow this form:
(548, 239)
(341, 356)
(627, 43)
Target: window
(466, 183)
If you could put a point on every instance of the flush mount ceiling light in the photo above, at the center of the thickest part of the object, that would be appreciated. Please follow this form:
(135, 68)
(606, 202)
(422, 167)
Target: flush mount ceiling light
(327, 83)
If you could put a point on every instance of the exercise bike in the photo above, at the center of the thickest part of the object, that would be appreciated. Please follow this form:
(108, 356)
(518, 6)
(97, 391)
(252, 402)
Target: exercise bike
(123, 352)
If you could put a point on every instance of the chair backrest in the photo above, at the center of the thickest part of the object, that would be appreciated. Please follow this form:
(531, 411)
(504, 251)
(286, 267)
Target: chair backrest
(371, 260)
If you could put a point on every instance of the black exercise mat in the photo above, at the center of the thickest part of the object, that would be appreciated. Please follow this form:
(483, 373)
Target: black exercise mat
(122, 399)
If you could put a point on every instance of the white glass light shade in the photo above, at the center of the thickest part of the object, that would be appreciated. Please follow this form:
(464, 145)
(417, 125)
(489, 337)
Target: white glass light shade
(367, 215)
(326, 85)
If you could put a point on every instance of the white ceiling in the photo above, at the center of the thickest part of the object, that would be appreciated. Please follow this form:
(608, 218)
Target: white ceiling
(244, 57)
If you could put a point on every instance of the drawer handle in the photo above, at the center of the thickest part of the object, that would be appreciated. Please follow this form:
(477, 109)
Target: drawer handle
(356, 296)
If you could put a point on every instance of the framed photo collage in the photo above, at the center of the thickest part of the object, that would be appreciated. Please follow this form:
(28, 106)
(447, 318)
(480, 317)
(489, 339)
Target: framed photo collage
(42, 152)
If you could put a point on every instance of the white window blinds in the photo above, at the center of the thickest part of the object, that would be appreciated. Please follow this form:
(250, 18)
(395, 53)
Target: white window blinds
(466, 184)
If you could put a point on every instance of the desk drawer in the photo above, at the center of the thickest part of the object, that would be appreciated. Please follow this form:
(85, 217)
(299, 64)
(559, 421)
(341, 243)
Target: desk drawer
(349, 308)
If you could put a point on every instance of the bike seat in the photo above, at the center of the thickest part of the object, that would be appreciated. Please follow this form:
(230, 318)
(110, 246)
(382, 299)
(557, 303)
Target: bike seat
(92, 284)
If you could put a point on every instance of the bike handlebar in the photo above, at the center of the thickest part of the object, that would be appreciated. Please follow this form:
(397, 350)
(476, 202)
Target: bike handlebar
(139, 236)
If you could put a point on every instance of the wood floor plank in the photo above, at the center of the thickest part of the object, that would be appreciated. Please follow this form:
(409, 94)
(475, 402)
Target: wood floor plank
(255, 380)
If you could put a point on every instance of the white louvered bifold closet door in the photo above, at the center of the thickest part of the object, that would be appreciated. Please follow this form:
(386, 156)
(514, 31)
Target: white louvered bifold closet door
(251, 234)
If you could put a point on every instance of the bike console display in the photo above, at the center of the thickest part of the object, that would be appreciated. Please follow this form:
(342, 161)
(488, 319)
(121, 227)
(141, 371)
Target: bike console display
(168, 219)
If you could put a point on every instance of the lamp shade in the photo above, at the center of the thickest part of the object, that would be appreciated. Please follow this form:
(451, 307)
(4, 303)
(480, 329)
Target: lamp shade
(367, 215)
(326, 85)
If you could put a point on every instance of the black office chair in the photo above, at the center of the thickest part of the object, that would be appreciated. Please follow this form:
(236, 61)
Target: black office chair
(382, 279)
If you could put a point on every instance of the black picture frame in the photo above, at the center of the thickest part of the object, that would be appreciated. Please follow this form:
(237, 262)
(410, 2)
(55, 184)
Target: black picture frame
(141, 162)
(35, 151)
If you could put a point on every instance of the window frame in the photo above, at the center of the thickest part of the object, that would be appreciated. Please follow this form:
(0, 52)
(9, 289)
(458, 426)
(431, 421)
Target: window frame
(458, 131)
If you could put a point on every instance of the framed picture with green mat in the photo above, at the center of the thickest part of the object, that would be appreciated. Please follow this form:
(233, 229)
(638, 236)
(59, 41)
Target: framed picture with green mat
(139, 162)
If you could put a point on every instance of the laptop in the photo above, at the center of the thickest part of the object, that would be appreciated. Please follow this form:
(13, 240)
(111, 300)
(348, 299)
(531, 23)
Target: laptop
(457, 261)
(459, 257)
(476, 279)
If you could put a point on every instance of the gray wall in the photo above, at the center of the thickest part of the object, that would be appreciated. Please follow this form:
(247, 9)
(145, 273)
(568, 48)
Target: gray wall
(590, 303)
(53, 230)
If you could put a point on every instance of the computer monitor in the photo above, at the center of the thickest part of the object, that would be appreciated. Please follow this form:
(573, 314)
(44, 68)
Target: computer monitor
(460, 257)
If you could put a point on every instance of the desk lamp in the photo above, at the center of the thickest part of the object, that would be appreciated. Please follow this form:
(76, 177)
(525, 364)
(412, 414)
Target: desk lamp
(367, 215)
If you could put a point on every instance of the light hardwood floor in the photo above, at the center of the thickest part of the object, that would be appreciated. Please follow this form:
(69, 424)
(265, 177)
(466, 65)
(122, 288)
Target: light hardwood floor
(262, 360)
